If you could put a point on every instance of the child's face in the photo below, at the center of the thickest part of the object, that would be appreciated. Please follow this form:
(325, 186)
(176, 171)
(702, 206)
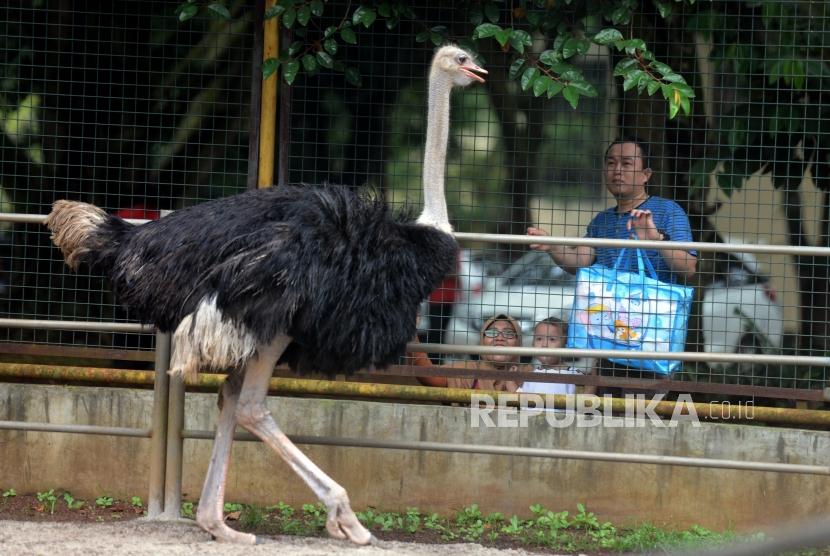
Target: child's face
(548, 336)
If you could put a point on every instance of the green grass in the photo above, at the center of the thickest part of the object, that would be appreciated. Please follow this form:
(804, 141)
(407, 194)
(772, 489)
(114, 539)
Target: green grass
(559, 531)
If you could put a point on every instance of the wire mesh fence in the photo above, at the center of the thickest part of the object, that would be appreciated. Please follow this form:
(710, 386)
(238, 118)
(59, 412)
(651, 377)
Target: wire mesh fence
(127, 107)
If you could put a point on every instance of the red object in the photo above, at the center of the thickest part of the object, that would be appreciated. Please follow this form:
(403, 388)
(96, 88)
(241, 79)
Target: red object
(446, 292)
(139, 212)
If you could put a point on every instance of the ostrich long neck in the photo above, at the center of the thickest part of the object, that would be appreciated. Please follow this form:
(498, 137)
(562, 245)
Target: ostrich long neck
(435, 151)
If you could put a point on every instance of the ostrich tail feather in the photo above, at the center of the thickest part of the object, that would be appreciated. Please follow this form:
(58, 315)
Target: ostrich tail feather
(84, 233)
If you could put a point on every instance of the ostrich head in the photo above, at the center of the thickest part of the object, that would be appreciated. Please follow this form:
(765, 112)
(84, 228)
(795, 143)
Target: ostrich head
(458, 65)
(451, 67)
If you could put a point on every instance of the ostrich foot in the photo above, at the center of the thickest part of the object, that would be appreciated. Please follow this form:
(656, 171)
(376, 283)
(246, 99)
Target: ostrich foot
(342, 523)
(223, 533)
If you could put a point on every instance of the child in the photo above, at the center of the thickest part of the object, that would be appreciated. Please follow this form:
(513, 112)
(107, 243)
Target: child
(550, 333)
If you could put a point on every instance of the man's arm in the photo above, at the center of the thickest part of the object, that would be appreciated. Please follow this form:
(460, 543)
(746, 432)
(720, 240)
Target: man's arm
(680, 262)
(569, 258)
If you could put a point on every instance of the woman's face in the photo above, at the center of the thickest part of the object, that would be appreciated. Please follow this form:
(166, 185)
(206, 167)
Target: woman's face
(500, 333)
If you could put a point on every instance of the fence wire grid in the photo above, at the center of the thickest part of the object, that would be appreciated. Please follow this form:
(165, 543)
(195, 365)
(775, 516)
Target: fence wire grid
(126, 107)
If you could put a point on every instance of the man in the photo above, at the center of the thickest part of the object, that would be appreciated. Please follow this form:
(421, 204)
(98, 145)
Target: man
(627, 172)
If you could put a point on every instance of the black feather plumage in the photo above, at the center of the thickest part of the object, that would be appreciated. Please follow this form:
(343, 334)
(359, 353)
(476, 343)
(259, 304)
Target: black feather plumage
(342, 274)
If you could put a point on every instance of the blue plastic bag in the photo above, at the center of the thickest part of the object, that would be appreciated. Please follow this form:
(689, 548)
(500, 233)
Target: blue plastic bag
(616, 309)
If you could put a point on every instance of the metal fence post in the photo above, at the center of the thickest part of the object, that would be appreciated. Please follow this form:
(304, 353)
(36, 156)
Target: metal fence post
(173, 465)
(158, 450)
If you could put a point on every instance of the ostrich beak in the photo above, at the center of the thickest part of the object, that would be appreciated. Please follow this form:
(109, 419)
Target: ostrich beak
(472, 71)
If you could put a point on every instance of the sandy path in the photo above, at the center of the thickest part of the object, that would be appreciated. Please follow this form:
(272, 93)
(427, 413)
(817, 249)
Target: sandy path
(165, 538)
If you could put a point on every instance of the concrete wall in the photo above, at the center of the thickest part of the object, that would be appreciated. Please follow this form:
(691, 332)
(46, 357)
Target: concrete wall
(90, 466)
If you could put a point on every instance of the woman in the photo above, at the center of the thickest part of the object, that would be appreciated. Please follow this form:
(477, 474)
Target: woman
(498, 331)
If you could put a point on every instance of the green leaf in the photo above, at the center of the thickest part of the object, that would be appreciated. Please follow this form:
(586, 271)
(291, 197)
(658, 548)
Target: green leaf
(486, 30)
(219, 10)
(274, 11)
(673, 109)
(608, 36)
(516, 68)
(269, 66)
(583, 87)
(491, 11)
(664, 8)
(540, 86)
(569, 48)
(325, 60)
(304, 15)
(631, 78)
(309, 63)
(348, 35)
(330, 30)
(295, 47)
(436, 38)
(289, 17)
(548, 57)
(571, 95)
(187, 11)
(384, 10)
(476, 16)
(528, 77)
(624, 66)
(290, 70)
(422, 37)
(317, 7)
(503, 36)
(519, 39)
(331, 46)
(364, 15)
(652, 87)
(353, 76)
(554, 88)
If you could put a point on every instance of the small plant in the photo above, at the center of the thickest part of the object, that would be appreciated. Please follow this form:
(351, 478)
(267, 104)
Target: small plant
(71, 503)
(48, 497)
(136, 502)
(315, 515)
(231, 507)
(104, 501)
(187, 510)
(251, 517)
(11, 493)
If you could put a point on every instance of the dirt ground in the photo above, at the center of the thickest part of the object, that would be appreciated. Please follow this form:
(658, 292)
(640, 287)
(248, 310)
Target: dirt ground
(142, 537)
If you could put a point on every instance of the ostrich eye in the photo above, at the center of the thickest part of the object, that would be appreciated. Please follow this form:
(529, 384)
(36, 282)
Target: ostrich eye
(462, 59)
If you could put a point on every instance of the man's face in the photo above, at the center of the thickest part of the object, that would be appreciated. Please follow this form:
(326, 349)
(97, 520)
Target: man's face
(548, 336)
(625, 176)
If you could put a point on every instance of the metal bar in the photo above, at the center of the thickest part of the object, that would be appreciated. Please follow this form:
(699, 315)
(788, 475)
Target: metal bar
(173, 463)
(158, 452)
(535, 452)
(76, 325)
(75, 429)
(514, 239)
(41, 218)
(48, 350)
(663, 385)
(256, 96)
(298, 386)
(76, 374)
(268, 111)
(713, 247)
(801, 360)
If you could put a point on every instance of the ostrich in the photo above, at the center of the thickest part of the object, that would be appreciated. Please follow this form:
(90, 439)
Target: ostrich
(320, 277)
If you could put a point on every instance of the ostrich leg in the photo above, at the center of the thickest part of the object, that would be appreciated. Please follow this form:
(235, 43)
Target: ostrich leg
(209, 515)
(252, 414)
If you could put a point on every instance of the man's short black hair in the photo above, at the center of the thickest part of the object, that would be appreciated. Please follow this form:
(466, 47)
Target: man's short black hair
(645, 149)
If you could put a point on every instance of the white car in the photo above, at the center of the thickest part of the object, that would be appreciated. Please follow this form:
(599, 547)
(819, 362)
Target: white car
(740, 312)
(531, 289)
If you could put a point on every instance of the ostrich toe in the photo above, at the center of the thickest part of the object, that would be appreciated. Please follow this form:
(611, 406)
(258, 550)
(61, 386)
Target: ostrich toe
(342, 523)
